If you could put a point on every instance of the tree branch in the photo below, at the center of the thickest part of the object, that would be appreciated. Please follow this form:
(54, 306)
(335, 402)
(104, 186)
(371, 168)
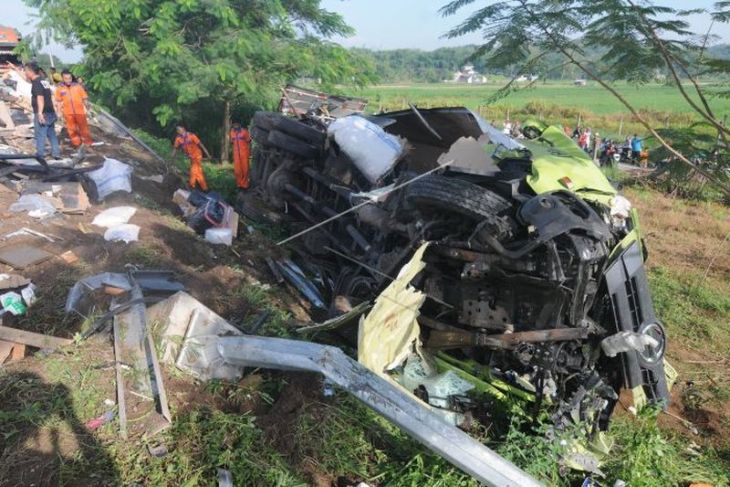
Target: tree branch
(670, 60)
(562, 48)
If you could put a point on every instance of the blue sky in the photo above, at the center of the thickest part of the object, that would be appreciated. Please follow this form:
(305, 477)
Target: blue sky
(379, 24)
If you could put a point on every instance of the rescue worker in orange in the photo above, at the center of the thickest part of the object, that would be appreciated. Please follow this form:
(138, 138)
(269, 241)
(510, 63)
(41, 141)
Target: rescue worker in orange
(191, 145)
(73, 102)
(241, 140)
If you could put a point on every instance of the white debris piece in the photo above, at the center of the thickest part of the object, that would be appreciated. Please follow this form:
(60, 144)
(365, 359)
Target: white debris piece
(122, 233)
(112, 177)
(114, 216)
(36, 205)
(219, 236)
(371, 149)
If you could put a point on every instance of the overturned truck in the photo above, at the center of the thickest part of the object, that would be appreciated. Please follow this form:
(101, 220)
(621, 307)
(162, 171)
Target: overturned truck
(535, 269)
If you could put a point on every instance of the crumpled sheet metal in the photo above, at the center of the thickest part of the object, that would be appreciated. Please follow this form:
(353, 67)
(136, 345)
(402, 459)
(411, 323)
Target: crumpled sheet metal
(384, 397)
(389, 333)
(91, 283)
(188, 332)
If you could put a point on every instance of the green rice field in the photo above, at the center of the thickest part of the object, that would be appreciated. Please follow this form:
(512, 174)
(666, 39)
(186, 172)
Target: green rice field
(591, 98)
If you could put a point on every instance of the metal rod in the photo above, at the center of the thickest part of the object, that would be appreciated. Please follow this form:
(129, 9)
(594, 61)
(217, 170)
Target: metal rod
(357, 207)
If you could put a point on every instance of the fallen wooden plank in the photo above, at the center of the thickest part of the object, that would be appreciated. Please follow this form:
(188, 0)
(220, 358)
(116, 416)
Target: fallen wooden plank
(18, 351)
(6, 349)
(33, 339)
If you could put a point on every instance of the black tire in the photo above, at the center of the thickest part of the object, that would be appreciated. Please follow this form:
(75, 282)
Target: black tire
(266, 120)
(301, 131)
(259, 135)
(292, 145)
(461, 197)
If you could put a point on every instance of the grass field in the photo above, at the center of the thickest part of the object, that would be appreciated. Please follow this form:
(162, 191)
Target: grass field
(553, 102)
(591, 98)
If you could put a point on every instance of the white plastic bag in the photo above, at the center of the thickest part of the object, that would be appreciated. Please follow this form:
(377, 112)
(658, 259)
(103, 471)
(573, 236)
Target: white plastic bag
(122, 233)
(219, 236)
(114, 216)
(112, 177)
(373, 151)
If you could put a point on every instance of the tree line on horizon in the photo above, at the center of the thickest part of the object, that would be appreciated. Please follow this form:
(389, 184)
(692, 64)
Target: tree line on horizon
(434, 66)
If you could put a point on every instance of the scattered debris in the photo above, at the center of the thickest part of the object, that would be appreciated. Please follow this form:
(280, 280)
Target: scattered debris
(122, 233)
(293, 274)
(157, 178)
(114, 216)
(29, 231)
(113, 176)
(96, 423)
(12, 281)
(219, 236)
(32, 339)
(23, 255)
(390, 331)
(133, 343)
(36, 205)
(158, 451)
(69, 257)
(208, 211)
(225, 478)
(71, 195)
(12, 303)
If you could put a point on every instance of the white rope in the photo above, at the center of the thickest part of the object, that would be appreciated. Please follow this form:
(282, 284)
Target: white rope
(357, 207)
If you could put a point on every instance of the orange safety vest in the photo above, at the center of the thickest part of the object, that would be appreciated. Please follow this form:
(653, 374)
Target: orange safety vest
(190, 144)
(72, 98)
(240, 139)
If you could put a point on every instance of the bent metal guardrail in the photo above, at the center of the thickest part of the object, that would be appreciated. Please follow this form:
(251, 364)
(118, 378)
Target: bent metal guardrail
(407, 412)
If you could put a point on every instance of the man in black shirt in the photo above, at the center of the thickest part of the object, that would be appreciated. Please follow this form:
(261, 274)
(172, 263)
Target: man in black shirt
(44, 114)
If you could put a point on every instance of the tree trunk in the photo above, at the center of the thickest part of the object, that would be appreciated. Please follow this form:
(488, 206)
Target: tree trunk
(225, 142)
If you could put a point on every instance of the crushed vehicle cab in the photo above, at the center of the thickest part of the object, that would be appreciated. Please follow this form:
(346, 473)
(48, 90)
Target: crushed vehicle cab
(535, 268)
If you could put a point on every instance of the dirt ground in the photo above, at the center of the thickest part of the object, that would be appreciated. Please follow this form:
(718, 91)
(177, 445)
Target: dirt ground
(688, 241)
(228, 280)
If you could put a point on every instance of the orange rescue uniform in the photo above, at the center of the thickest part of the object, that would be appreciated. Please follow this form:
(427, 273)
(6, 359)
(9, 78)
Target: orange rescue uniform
(241, 139)
(72, 99)
(190, 143)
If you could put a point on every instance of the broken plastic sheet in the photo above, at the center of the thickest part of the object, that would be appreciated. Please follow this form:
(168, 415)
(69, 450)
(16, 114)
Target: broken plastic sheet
(113, 176)
(114, 216)
(390, 332)
(36, 205)
(122, 233)
(371, 149)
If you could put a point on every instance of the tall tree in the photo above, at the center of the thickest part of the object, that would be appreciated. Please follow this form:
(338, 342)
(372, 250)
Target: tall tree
(634, 38)
(174, 58)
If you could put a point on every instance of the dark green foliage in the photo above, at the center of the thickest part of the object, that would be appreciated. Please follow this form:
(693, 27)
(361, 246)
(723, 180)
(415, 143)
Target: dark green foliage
(163, 61)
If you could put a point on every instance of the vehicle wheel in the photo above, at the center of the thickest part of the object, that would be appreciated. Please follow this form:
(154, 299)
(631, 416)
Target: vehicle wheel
(293, 145)
(259, 135)
(301, 131)
(462, 197)
(266, 120)
(275, 192)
